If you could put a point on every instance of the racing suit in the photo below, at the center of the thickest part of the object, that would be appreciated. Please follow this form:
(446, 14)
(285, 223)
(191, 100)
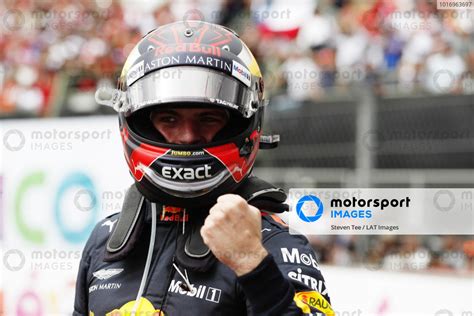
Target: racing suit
(287, 282)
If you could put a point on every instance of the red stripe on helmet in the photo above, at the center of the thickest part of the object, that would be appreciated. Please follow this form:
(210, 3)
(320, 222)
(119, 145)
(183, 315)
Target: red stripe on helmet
(144, 156)
(229, 156)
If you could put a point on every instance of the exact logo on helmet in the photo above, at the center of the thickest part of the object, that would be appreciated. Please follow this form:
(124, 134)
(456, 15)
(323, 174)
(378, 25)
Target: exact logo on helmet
(186, 173)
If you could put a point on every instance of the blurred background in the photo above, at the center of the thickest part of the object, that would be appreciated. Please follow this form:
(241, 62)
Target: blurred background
(372, 93)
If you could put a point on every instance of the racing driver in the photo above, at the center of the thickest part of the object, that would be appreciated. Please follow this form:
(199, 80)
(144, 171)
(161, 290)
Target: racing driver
(198, 234)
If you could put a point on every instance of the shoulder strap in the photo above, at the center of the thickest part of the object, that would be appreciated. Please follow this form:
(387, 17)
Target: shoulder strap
(193, 254)
(129, 226)
(263, 195)
(126, 233)
(191, 251)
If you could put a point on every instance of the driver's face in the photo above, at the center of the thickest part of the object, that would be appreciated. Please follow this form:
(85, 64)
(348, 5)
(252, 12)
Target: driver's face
(189, 126)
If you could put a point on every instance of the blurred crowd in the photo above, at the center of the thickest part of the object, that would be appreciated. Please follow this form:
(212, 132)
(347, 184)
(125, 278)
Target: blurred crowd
(53, 54)
(398, 253)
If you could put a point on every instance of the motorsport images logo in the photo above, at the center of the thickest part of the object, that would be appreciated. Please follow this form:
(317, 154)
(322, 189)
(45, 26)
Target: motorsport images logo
(309, 208)
(402, 211)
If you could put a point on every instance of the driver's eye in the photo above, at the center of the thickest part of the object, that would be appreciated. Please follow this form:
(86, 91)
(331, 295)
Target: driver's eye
(167, 118)
(210, 119)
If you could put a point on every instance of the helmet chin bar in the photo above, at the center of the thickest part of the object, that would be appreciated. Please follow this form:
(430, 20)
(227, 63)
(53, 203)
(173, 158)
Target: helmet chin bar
(184, 190)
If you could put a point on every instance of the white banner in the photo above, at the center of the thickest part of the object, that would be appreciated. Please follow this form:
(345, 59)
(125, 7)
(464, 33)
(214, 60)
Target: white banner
(365, 292)
(60, 177)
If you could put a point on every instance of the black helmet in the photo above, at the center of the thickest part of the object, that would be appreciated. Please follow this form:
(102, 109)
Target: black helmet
(179, 66)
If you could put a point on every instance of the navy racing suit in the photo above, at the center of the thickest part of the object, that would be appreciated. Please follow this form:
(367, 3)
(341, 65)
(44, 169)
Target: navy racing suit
(287, 282)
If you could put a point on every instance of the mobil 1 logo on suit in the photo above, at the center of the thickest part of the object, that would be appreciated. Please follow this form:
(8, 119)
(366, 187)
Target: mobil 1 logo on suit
(201, 292)
(293, 255)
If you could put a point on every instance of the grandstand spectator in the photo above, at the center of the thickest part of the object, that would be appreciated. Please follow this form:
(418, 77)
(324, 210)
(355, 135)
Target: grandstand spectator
(53, 55)
(444, 69)
(390, 41)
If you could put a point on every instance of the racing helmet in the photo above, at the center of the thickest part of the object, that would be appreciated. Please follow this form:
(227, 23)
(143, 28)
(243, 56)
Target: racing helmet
(189, 64)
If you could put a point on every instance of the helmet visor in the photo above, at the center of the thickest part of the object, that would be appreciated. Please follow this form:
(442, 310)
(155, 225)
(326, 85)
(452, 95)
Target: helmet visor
(188, 84)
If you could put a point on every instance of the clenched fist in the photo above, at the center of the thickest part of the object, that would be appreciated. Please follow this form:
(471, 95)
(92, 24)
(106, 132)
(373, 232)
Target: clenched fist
(233, 233)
